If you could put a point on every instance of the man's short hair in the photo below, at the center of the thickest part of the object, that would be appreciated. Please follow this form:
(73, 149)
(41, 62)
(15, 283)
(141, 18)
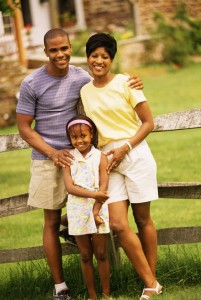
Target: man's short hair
(53, 33)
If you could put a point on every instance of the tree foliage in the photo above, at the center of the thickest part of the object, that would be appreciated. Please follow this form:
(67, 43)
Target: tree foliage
(6, 8)
(181, 36)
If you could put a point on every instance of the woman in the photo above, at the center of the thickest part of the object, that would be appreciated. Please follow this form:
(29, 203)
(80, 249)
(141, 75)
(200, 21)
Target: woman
(116, 110)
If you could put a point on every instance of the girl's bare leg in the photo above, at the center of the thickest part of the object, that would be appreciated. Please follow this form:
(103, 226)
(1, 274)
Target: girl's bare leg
(100, 251)
(86, 252)
(147, 232)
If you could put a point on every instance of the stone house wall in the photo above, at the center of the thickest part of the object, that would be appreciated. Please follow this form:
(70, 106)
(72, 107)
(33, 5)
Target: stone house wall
(106, 14)
(167, 8)
(99, 14)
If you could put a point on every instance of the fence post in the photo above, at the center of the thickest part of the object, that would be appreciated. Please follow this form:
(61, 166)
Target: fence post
(113, 250)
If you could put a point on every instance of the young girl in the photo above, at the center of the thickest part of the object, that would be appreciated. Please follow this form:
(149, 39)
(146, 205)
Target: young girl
(86, 181)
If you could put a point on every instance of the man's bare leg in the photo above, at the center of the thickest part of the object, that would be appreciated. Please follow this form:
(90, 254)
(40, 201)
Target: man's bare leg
(51, 243)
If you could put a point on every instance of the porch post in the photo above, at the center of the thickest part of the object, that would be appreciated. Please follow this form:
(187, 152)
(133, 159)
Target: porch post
(54, 13)
(80, 15)
(18, 21)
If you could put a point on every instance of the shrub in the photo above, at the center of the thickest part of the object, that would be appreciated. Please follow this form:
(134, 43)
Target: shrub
(181, 36)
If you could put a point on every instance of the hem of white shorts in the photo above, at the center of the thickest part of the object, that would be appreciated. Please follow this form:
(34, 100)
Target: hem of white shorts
(120, 198)
(144, 200)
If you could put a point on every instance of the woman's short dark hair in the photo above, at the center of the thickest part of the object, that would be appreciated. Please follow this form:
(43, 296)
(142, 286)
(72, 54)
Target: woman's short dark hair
(102, 40)
(94, 129)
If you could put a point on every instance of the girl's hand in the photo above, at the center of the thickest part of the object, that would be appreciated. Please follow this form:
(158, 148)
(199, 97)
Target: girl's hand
(101, 197)
(118, 156)
(62, 158)
(135, 82)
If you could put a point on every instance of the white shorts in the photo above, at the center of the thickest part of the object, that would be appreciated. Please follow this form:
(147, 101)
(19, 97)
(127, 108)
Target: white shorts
(135, 177)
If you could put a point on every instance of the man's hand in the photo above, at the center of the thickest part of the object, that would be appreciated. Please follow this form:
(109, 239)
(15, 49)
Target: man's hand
(62, 158)
(135, 82)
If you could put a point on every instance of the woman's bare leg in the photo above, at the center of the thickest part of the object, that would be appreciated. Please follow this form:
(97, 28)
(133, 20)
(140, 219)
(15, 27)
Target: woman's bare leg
(129, 241)
(147, 232)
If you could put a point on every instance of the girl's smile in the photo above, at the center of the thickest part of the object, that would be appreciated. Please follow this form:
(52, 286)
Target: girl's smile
(81, 136)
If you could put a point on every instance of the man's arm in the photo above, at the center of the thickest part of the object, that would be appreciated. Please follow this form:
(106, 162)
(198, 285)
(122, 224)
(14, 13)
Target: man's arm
(36, 141)
(135, 82)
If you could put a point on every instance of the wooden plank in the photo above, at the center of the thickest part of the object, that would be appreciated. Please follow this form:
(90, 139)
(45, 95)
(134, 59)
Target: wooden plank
(180, 190)
(113, 249)
(14, 205)
(172, 121)
(11, 142)
(32, 253)
(166, 236)
(176, 235)
(179, 235)
(178, 120)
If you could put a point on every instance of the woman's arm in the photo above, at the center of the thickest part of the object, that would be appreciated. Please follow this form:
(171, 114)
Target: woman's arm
(103, 175)
(144, 113)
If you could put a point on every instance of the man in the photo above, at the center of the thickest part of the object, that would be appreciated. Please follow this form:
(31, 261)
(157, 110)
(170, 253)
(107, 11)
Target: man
(49, 96)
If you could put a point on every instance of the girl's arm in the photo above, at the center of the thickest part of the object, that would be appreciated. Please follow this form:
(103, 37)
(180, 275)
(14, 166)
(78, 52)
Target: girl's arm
(100, 196)
(144, 113)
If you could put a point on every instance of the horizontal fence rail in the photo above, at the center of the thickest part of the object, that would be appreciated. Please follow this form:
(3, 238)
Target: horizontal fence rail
(188, 119)
(166, 236)
(32, 253)
(180, 190)
(12, 142)
(176, 190)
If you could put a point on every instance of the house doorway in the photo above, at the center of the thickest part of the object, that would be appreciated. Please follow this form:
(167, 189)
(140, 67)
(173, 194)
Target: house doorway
(67, 13)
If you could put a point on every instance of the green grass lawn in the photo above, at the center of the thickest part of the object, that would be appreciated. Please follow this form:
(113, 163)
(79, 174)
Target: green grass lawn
(178, 159)
(169, 91)
(178, 269)
(177, 154)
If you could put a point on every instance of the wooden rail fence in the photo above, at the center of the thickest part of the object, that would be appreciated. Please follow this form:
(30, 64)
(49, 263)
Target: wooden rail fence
(188, 119)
